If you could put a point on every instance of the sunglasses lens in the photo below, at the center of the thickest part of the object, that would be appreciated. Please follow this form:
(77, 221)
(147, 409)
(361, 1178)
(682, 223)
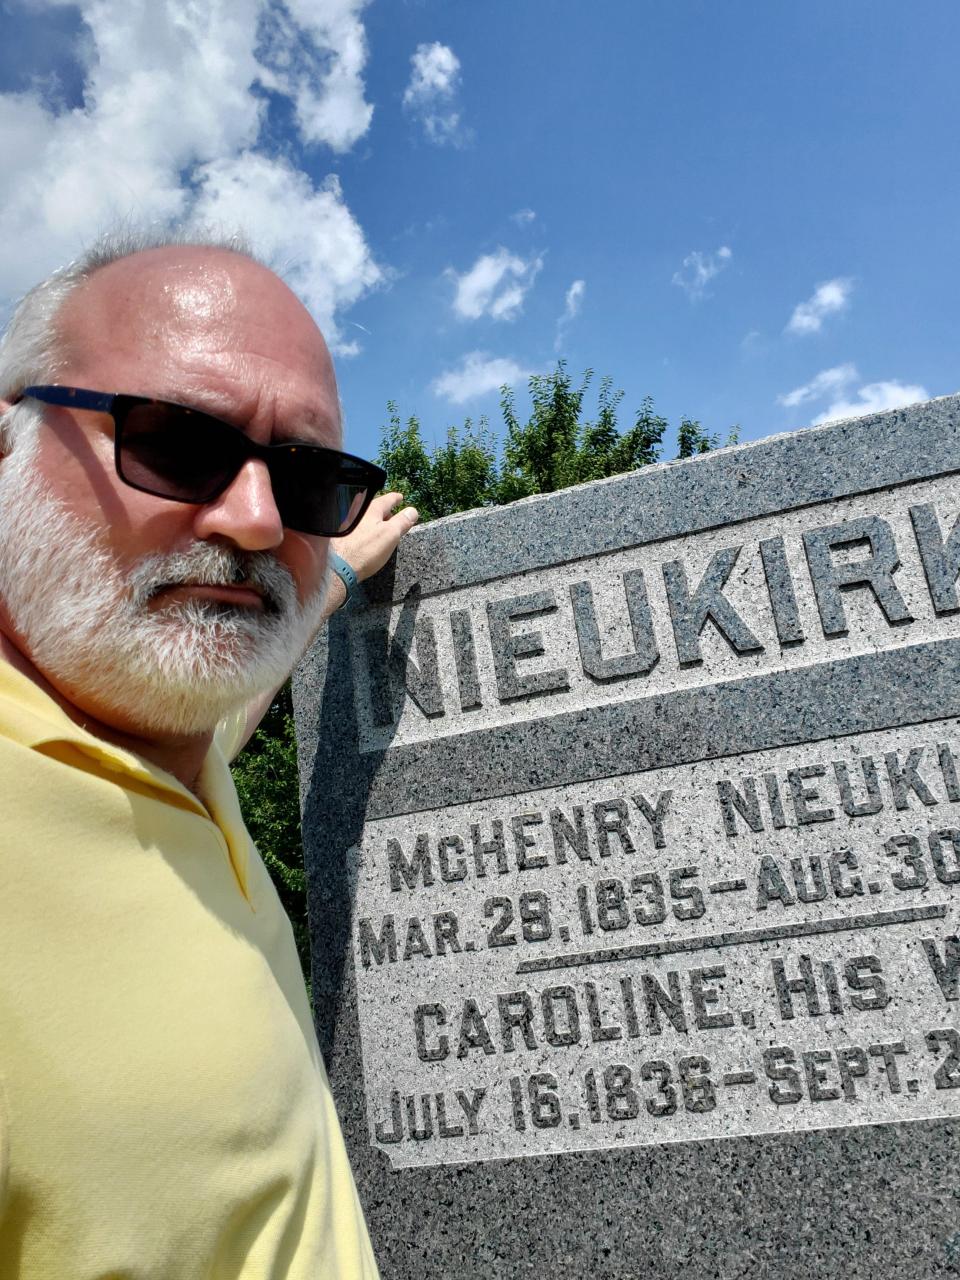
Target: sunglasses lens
(178, 453)
(318, 492)
(175, 453)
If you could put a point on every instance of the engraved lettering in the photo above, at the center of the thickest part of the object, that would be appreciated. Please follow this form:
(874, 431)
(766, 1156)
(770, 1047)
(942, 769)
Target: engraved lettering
(572, 834)
(805, 985)
(851, 807)
(495, 847)
(745, 802)
(831, 577)
(508, 647)
(552, 999)
(465, 658)
(470, 1104)
(645, 653)
(438, 1015)
(657, 1000)
(610, 819)
(390, 663)
(404, 871)
(516, 1014)
(377, 947)
(905, 778)
(771, 884)
(802, 796)
(704, 994)
(473, 1031)
(946, 967)
(690, 611)
(655, 814)
(599, 1030)
(456, 870)
(783, 597)
(524, 840)
(940, 559)
(444, 1129)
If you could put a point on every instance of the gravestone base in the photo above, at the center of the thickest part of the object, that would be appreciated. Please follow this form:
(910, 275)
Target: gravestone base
(783, 1208)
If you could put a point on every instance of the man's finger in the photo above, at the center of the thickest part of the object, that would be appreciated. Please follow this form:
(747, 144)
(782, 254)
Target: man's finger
(385, 503)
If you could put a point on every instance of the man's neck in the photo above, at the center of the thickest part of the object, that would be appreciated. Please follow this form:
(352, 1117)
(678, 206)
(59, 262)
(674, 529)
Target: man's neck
(182, 757)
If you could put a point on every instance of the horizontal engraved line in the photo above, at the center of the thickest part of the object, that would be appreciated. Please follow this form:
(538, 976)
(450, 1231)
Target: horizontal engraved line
(802, 929)
(740, 1077)
(727, 886)
(737, 717)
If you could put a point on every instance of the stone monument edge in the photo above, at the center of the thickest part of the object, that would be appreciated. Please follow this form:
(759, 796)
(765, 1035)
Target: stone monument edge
(781, 472)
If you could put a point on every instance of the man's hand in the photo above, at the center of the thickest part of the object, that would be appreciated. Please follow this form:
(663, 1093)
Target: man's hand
(371, 544)
(366, 550)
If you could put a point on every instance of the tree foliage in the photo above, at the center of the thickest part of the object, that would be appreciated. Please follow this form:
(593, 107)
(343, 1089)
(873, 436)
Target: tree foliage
(266, 778)
(557, 446)
(457, 475)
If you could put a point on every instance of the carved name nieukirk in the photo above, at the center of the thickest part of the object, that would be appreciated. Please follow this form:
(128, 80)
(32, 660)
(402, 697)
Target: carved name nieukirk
(753, 596)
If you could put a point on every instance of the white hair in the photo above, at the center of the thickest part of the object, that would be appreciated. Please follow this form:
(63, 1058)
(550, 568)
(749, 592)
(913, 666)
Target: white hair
(29, 348)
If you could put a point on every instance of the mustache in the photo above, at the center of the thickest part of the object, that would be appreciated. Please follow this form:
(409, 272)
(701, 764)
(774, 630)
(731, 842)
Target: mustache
(209, 565)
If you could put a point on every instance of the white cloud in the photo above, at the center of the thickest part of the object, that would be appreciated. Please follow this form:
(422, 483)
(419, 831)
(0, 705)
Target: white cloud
(698, 270)
(433, 90)
(318, 244)
(495, 285)
(827, 382)
(477, 374)
(522, 217)
(571, 306)
(314, 54)
(573, 299)
(827, 299)
(874, 398)
(170, 130)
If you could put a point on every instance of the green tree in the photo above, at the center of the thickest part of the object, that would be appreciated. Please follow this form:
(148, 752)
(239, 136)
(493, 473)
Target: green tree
(555, 447)
(543, 454)
(600, 441)
(267, 782)
(692, 439)
(457, 475)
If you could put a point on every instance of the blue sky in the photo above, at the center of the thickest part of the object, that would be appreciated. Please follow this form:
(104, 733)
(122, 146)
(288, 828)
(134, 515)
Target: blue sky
(747, 211)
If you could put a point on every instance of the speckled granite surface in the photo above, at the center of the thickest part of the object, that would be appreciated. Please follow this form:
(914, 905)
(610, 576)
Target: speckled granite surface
(689, 725)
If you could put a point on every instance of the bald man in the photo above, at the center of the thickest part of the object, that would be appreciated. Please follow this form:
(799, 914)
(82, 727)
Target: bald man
(171, 470)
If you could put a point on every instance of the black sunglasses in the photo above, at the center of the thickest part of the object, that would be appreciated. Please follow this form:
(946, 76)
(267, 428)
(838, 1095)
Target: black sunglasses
(179, 453)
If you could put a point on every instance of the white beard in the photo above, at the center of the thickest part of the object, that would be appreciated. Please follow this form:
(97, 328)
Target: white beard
(176, 670)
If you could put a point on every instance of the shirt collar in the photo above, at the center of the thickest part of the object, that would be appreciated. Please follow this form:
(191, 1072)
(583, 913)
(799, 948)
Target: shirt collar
(33, 718)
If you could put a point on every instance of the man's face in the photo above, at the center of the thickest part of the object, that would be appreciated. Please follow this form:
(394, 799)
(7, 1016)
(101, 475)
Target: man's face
(147, 613)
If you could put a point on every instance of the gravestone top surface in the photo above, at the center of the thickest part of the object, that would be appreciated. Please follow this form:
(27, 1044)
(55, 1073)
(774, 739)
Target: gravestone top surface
(632, 828)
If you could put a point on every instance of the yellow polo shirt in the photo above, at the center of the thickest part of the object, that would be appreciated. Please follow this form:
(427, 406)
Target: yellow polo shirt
(164, 1111)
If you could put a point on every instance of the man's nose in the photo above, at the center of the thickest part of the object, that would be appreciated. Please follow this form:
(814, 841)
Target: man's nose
(245, 513)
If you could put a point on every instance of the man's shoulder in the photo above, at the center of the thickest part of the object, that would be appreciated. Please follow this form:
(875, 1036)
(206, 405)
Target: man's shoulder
(28, 715)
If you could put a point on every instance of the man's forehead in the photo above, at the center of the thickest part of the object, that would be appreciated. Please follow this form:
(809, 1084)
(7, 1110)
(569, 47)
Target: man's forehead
(198, 293)
(207, 324)
(188, 287)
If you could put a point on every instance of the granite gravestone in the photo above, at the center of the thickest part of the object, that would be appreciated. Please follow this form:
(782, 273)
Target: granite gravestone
(632, 823)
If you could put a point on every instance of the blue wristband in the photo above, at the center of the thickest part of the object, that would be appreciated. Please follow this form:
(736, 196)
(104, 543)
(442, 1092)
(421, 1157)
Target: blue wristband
(346, 575)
